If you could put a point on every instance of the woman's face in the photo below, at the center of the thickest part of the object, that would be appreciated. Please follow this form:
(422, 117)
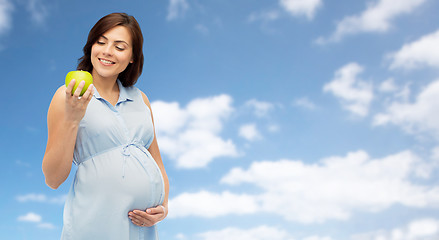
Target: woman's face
(112, 53)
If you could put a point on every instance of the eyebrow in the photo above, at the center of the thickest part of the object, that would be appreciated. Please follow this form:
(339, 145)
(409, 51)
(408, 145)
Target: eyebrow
(117, 41)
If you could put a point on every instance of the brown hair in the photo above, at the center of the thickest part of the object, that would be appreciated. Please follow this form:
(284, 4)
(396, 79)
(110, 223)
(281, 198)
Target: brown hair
(130, 75)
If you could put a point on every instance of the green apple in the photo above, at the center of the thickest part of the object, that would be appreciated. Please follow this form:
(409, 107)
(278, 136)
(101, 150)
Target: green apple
(79, 76)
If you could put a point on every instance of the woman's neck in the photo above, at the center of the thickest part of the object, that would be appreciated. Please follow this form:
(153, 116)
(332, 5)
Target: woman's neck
(105, 86)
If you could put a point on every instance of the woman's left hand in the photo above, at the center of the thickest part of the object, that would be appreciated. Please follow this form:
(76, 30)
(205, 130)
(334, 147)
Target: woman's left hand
(149, 217)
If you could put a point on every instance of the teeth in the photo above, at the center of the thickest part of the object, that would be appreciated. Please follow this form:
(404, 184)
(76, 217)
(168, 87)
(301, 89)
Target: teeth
(105, 61)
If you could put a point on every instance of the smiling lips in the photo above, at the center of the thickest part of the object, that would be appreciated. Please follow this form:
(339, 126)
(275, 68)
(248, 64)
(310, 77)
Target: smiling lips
(106, 62)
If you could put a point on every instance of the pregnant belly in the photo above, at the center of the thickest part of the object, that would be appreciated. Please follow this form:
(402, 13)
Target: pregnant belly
(118, 181)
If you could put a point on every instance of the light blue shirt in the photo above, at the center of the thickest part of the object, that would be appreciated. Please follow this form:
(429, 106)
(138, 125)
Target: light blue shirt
(116, 173)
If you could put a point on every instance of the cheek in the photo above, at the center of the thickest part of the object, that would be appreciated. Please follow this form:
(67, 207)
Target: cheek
(126, 58)
(93, 50)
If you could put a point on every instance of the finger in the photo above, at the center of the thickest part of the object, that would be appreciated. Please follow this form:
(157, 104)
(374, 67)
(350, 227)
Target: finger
(79, 89)
(157, 210)
(87, 95)
(145, 217)
(139, 220)
(70, 87)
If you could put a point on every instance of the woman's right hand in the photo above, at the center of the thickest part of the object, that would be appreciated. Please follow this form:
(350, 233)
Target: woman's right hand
(75, 106)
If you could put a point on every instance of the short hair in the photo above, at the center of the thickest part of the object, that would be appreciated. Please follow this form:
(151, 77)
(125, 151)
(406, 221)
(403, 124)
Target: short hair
(132, 72)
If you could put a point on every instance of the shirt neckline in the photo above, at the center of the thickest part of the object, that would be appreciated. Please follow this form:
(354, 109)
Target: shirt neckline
(123, 93)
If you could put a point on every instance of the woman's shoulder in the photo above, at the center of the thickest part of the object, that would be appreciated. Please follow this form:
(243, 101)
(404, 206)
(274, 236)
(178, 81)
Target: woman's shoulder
(60, 93)
(143, 95)
(133, 91)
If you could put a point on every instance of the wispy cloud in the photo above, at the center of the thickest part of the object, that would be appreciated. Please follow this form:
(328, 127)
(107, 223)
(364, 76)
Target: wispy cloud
(38, 11)
(377, 17)
(259, 108)
(427, 228)
(419, 116)
(32, 197)
(6, 9)
(35, 218)
(176, 9)
(249, 132)
(202, 29)
(30, 217)
(301, 8)
(304, 102)
(417, 54)
(264, 16)
(191, 135)
(22, 164)
(355, 94)
(388, 85)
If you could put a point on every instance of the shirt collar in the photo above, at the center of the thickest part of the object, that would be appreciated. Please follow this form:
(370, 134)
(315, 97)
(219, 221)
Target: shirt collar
(123, 93)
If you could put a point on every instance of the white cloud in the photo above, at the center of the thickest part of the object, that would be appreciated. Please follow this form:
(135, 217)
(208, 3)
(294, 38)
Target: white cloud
(249, 132)
(39, 11)
(259, 108)
(336, 187)
(30, 217)
(421, 116)
(257, 233)
(35, 218)
(422, 52)
(209, 205)
(300, 8)
(273, 128)
(420, 229)
(46, 225)
(388, 85)
(180, 236)
(191, 135)
(32, 197)
(377, 17)
(435, 153)
(6, 9)
(354, 93)
(304, 102)
(176, 9)
(331, 189)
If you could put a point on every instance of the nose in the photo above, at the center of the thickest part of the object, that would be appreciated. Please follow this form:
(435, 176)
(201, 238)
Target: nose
(108, 50)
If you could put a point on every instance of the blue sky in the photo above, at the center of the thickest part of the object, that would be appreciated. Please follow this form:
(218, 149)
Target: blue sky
(276, 120)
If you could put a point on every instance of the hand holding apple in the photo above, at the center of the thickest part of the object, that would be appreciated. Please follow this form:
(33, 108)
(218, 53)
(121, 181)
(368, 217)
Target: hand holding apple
(79, 76)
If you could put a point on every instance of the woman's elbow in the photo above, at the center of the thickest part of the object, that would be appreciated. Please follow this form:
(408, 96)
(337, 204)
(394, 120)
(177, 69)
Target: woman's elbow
(53, 184)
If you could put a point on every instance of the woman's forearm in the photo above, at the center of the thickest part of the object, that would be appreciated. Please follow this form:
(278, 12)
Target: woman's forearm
(57, 161)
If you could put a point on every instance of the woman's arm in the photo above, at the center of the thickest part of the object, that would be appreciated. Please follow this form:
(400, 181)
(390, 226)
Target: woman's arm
(156, 214)
(155, 152)
(63, 117)
(152, 215)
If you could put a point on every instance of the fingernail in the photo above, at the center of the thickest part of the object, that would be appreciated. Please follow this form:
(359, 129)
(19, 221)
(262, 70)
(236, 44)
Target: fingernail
(148, 210)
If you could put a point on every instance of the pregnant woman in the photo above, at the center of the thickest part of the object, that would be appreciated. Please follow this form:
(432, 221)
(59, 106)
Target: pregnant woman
(120, 190)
